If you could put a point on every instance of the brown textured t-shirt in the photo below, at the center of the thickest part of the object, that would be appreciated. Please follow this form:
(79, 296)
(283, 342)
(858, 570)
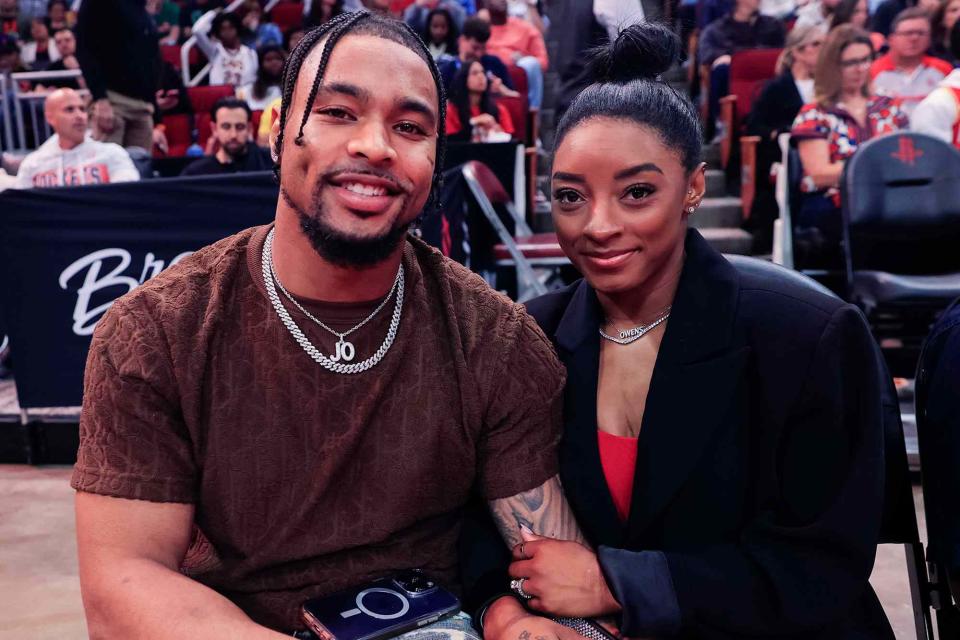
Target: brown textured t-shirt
(307, 481)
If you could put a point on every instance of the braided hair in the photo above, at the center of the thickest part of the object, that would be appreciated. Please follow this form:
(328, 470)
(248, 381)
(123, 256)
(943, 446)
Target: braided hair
(357, 23)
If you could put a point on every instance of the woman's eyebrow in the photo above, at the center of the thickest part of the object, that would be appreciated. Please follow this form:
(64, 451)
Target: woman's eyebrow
(640, 168)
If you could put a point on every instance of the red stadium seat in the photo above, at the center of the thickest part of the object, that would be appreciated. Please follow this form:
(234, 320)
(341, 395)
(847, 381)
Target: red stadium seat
(518, 77)
(171, 53)
(178, 133)
(203, 98)
(749, 70)
(517, 107)
(287, 15)
(255, 121)
(203, 121)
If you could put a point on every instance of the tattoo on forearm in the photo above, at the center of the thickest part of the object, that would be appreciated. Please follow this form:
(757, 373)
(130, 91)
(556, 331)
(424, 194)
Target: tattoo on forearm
(543, 510)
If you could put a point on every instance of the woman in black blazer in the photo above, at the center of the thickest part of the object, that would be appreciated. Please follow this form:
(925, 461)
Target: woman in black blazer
(773, 113)
(746, 412)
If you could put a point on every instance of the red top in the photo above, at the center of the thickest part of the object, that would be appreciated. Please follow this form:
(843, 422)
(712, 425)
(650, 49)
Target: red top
(618, 456)
(455, 126)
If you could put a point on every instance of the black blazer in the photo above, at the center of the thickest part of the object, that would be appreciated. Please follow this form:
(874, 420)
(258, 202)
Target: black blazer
(775, 108)
(759, 472)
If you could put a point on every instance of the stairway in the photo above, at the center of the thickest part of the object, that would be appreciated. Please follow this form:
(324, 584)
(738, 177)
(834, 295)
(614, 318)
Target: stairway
(719, 216)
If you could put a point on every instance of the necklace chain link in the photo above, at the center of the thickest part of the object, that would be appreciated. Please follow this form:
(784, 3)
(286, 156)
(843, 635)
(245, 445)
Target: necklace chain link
(271, 282)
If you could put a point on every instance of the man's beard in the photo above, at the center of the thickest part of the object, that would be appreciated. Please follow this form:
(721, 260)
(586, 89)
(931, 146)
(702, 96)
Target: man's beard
(342, 249)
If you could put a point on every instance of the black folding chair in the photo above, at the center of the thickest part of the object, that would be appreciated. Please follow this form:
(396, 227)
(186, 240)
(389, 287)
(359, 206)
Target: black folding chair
(899, 524)
(901, 233)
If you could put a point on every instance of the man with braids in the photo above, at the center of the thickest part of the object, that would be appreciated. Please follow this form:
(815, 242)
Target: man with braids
(307, 406)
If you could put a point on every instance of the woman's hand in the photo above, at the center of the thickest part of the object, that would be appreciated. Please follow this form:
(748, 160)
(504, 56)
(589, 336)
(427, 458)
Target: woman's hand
(563, 578)
(505, 619)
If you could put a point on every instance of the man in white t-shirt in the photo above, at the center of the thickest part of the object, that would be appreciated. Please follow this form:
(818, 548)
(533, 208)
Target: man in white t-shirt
(938, 115)
(231, 62)
(71, 157)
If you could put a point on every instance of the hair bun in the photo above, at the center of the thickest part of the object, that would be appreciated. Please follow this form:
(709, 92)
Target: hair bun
(642, 51)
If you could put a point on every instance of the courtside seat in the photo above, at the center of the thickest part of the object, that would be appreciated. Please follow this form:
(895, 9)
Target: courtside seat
(901, 233)
(178, 134)
(749, 70)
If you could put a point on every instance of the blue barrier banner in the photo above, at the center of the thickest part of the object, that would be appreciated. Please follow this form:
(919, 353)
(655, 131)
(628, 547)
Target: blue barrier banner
(66, 254)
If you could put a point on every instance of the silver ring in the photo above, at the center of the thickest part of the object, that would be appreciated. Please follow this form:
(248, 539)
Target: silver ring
(516, 585)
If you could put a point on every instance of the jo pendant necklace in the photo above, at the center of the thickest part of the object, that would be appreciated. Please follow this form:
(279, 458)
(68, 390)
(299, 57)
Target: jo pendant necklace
(629, 336)
(345, 350)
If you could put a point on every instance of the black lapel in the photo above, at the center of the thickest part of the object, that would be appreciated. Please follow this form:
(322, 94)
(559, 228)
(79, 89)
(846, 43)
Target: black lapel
(693, 382)
(578, 342)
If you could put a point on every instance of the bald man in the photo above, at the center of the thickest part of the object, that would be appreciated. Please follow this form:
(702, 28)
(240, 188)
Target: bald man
(70, 157)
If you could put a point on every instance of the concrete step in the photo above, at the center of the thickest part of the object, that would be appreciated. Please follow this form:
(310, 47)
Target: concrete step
(717, 213)
(729, 240)
(711, 155)
(716, 183)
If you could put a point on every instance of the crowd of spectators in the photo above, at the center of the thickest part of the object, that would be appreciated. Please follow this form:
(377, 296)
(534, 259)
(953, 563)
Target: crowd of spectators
(130, 85)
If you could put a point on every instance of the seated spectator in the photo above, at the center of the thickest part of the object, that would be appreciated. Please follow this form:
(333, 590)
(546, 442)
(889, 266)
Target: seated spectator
(472, 45)
(773, 113)
(943, 21)
(742, 28)
(266, 88)
(518, 42)
(70, 157)
(938, 114)
(259, 32)
(231, 62)
(441, 34)
(417, 15)
(166, 17)
(856, 12)
(39, 51)
(66, 44)
(11, 23)
(844, 114)
(906, 72)
(10, 55)
(472, 113)
(816, 12)
(888, 10)
(59, 16)
(230, 127)
(379, 7)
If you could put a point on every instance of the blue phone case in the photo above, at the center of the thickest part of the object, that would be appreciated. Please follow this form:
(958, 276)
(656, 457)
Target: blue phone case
(380, 609)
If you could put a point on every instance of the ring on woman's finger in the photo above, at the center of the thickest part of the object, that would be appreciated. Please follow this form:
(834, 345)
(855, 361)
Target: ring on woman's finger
(516, 585)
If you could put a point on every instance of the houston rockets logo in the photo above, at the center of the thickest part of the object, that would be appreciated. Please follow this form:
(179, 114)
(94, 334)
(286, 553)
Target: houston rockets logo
(907, 153)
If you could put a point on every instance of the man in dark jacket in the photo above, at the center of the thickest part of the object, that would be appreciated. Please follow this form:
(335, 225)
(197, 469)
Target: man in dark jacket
(236, 152)
(743, 28)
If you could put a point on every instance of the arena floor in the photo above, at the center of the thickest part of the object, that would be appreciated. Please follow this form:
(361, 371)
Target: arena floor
(40, 592)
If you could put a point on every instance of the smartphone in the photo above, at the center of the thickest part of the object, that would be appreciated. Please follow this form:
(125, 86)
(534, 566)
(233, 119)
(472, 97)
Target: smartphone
(380, 609)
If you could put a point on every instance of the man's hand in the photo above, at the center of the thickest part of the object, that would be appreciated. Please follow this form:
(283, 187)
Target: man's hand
(484, 121)
(70, 62)
(160, 139)
(505, 619)
(103, 117)
(564, 578)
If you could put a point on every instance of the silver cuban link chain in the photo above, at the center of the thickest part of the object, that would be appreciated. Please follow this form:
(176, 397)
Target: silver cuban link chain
(270, 281)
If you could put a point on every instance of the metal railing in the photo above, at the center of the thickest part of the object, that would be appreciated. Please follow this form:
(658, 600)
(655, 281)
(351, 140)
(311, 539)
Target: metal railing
(191, 42)
(22, 111)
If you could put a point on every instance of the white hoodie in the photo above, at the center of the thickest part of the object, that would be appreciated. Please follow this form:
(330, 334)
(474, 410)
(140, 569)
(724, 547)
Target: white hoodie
(90, 162)
(938, 113)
